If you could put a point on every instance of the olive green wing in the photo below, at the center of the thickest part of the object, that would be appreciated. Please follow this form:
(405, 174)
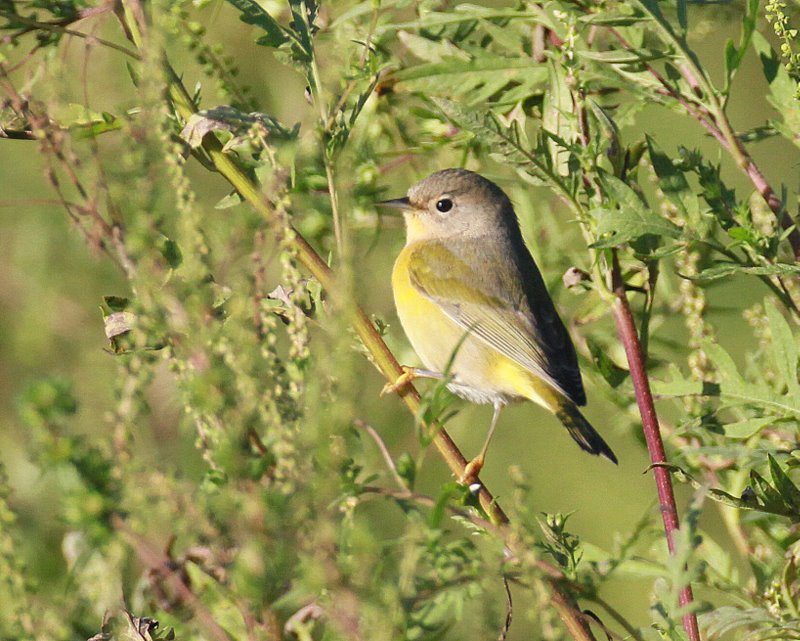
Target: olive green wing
(493, 301)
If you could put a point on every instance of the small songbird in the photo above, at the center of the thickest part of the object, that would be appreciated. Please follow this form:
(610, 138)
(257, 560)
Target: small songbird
(469, 294)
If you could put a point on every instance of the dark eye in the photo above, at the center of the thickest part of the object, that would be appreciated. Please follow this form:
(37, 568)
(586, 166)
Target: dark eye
(444, 205)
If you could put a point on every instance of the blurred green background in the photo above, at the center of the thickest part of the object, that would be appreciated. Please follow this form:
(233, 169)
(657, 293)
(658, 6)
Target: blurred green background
(52, 284)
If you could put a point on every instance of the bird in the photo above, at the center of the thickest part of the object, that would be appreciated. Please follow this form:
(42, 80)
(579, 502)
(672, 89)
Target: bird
(475, 307)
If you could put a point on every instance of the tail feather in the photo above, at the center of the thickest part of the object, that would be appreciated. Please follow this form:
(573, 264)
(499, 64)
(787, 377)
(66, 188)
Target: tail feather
(582, 431)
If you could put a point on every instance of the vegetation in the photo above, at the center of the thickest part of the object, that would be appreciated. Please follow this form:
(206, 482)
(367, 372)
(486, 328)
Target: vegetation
(225, 469)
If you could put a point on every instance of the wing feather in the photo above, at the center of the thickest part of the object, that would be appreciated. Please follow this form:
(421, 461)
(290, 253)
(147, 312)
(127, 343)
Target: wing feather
(504, 304)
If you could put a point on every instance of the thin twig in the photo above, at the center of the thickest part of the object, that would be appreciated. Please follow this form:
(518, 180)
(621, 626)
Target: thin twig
(509, 611)
(387, 457)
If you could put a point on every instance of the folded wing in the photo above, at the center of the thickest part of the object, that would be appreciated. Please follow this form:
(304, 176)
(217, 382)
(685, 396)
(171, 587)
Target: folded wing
(504, 304)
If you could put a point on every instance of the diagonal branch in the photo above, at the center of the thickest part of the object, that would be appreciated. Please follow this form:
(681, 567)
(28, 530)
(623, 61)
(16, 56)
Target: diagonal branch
(573, 619)
(383, 358)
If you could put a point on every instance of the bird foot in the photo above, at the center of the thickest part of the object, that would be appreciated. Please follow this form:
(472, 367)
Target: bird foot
(408, 375)
(471, 471)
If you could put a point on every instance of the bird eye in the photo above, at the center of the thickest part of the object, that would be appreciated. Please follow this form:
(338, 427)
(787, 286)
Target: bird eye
(444, 205)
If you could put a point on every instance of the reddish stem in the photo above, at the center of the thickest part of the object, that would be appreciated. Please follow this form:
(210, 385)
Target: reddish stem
(626, 328)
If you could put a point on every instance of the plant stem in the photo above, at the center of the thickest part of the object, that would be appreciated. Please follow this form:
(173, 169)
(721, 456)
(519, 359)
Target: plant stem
(626, 328)
(715, 120)
(384, 360)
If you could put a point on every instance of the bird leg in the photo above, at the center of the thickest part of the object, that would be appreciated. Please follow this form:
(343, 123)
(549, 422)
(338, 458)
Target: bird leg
(473, 468)
(408, 375)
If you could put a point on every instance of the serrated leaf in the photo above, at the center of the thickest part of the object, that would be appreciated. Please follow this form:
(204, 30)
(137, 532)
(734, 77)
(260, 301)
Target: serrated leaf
(721, 621)
(714, 493)
(460, 13)
(679, 387)
(733, 388)
(747, 428)
(429, 50)
(784, 485)
(250, 12)
(457, 77)
(631, 220)
(724, 364)
(768, 495)
(625, 225)
(722, 270)
(116, 303)
(733, 54)
(505, 143)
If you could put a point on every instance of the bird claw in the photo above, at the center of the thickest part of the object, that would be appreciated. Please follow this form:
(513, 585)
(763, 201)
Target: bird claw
(402, 381)
(471, 471)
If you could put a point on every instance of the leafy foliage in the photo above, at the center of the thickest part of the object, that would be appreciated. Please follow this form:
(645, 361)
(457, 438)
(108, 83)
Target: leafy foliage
(222, 478)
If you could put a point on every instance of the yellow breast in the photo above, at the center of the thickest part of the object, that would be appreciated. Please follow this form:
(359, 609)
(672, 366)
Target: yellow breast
(431, 333)
(480, 372)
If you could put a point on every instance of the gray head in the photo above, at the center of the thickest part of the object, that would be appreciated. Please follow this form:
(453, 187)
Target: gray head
(454, 202)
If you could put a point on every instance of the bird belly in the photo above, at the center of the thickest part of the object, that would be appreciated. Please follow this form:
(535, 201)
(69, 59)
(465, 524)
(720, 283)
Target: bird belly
(481, 374)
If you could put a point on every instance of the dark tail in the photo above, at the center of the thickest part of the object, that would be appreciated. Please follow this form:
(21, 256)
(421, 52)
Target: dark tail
(582, 431)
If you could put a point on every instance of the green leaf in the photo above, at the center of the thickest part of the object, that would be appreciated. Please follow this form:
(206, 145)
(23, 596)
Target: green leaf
(789, 492)
(622, 56)
(231, 200)
(407, 469)
(784, 347)
(683, 19)
(506, 145)
(431, 50)
(747, 428)
(118, 323)
(783, 89)
(722, 270)
(733, 388)
(673, 181)
(756, 623)
(714, 493)
(170, 251)
(479, 76)
(558, 117)
(238, 123)
(460, 13)
(250, 12)
(609, 370)
(607, 18)
(116, 303)
(633, 219)
(626, 225)
(735, 54)
(769, 496)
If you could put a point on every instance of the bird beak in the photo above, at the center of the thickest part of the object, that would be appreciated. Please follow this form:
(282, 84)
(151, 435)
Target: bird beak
(396, 203)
